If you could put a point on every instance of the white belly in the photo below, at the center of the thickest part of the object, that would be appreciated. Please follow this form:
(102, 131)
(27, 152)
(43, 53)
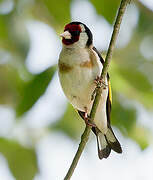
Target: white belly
(78, 85)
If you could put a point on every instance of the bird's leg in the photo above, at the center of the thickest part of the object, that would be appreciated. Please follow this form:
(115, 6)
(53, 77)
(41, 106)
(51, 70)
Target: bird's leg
(87, 119)
(100, 82)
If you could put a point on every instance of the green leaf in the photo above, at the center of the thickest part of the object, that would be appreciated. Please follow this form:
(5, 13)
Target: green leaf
(34, 89)
(131, 83)
(140, 135)
(107, 8)
(136, 79)
(3, 29)
(70, 123)
(123, 117)
(59, 10)
(22, 161)
(12, 38)
(145, 20)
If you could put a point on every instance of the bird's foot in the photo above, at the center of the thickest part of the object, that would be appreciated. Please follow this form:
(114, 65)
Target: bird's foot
(100, 83)
(87, 121)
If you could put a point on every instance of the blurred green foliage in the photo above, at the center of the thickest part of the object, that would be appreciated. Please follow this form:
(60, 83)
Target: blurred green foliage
(58, 10)
(33, 89)
(69, 119)
(107, 8)
(129, 72)
(22, 161)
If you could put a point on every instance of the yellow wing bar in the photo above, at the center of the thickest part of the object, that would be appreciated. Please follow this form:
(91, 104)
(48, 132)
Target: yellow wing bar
(110, 91)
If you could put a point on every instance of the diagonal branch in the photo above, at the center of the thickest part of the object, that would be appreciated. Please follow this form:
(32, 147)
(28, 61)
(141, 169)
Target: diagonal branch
(86, 133)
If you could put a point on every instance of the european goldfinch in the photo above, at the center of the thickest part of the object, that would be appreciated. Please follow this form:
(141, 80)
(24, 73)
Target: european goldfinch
(79, 65)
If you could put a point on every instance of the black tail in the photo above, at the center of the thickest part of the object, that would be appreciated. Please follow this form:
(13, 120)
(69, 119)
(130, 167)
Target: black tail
(106, 142)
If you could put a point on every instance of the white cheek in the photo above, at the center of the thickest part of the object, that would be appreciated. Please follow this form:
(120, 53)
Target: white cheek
(82, 40)
(83, 37)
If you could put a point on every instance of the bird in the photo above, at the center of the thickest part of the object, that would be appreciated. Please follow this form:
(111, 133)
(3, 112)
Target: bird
(79, 68)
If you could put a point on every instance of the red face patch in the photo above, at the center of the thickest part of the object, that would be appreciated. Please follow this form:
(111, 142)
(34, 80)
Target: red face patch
(75, 31)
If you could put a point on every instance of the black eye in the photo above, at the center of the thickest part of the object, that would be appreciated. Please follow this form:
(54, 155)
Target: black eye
(75, 33)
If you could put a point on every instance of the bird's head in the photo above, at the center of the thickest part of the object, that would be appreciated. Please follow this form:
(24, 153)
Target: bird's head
(78, 34)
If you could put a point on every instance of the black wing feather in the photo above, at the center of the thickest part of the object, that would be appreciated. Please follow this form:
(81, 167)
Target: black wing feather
(108, 103)
(99, 55)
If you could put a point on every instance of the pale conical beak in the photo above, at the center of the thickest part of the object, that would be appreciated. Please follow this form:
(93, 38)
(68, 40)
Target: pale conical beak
(66, 35)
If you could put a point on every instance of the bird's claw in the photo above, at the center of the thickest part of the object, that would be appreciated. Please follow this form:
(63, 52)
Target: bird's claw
(87, 120)
(88, 123)
(100, 82)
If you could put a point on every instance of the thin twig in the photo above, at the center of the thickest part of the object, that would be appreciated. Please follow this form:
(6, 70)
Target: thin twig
(85, 135)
